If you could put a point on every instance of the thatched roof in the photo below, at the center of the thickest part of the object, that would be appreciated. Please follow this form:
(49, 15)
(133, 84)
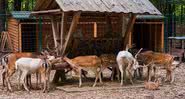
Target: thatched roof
(117, 6)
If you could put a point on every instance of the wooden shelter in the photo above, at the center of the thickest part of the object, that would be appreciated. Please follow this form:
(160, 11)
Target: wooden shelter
(24, 31)
(92, 21)
(96, 19)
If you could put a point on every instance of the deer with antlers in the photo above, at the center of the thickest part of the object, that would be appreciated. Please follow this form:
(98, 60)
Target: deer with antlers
(161, 60)
(127, 63)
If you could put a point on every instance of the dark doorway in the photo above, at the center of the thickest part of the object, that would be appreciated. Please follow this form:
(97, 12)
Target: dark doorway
(29, 37)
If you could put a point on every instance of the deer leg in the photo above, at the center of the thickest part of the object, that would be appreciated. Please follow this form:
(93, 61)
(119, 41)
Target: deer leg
(3, 76)
(149, 73)
(48, 82)
(38, 80)
(80, 77)
(45, 82)
(128, 69)
(23, 78)
(113, 73)
(172, 77)
(118, 73)
(121, 70)
(8, 75)
(19, 79)
(29, 81)
(99, 75)
(167, 75)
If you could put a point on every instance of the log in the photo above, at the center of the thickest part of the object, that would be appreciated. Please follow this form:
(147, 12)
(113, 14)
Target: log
(129, 30)
(61, 66)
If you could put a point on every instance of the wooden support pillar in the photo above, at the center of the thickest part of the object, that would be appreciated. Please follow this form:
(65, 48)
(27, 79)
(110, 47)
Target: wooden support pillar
(54, 29)
(95, 30)
(162, 38)
(73, 26)
(129, 30)
(61, 73)
(62, 30)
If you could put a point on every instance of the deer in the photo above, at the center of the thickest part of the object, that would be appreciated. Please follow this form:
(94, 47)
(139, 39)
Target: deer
(86, 63)
(10, 67)
(127, 63)
(33, 65)
(152, 85)
(109, 61)
(159, 60)
(3, 63)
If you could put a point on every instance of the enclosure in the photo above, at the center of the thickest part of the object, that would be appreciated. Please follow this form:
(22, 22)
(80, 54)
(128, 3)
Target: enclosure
(94, 27)
(25, 33)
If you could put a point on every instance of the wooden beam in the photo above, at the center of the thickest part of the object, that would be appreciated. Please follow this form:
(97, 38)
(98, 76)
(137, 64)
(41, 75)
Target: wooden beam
(130, 39)
(124, 23)
(95, 30)
(20, 38)
(46, 11)
(9, 41)
(73, 26)
(62, 32)
(54, 29)
(129, 30)
(162, 38)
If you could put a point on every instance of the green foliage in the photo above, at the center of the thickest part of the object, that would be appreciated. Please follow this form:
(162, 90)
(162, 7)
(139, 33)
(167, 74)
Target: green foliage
(174, 7)
(26, 5)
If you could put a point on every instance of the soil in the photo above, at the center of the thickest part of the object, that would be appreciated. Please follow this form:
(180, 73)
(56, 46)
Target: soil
(109, 90)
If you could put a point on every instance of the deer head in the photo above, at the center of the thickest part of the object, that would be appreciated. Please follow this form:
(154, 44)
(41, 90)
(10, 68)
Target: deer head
(135, 62)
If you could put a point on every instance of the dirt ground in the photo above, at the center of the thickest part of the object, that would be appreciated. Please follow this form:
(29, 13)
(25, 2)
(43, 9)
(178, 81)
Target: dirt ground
(109, 90)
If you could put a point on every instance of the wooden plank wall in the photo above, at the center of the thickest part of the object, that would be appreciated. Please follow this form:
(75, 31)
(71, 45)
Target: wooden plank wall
(86, 26)
(13, 29)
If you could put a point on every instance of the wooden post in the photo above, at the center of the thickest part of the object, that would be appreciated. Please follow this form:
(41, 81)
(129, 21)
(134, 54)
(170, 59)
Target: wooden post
(73, 26)
(162, 38)
(130, 39)
(54, 29)
(61, 73)
(62, 32)
(20, 38)
(95, 30)
(129, 29)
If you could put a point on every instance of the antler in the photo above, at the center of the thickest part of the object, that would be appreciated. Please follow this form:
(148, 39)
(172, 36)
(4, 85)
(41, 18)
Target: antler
(138, 52)
(54, 50)
(47, 42)
(152, 62)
